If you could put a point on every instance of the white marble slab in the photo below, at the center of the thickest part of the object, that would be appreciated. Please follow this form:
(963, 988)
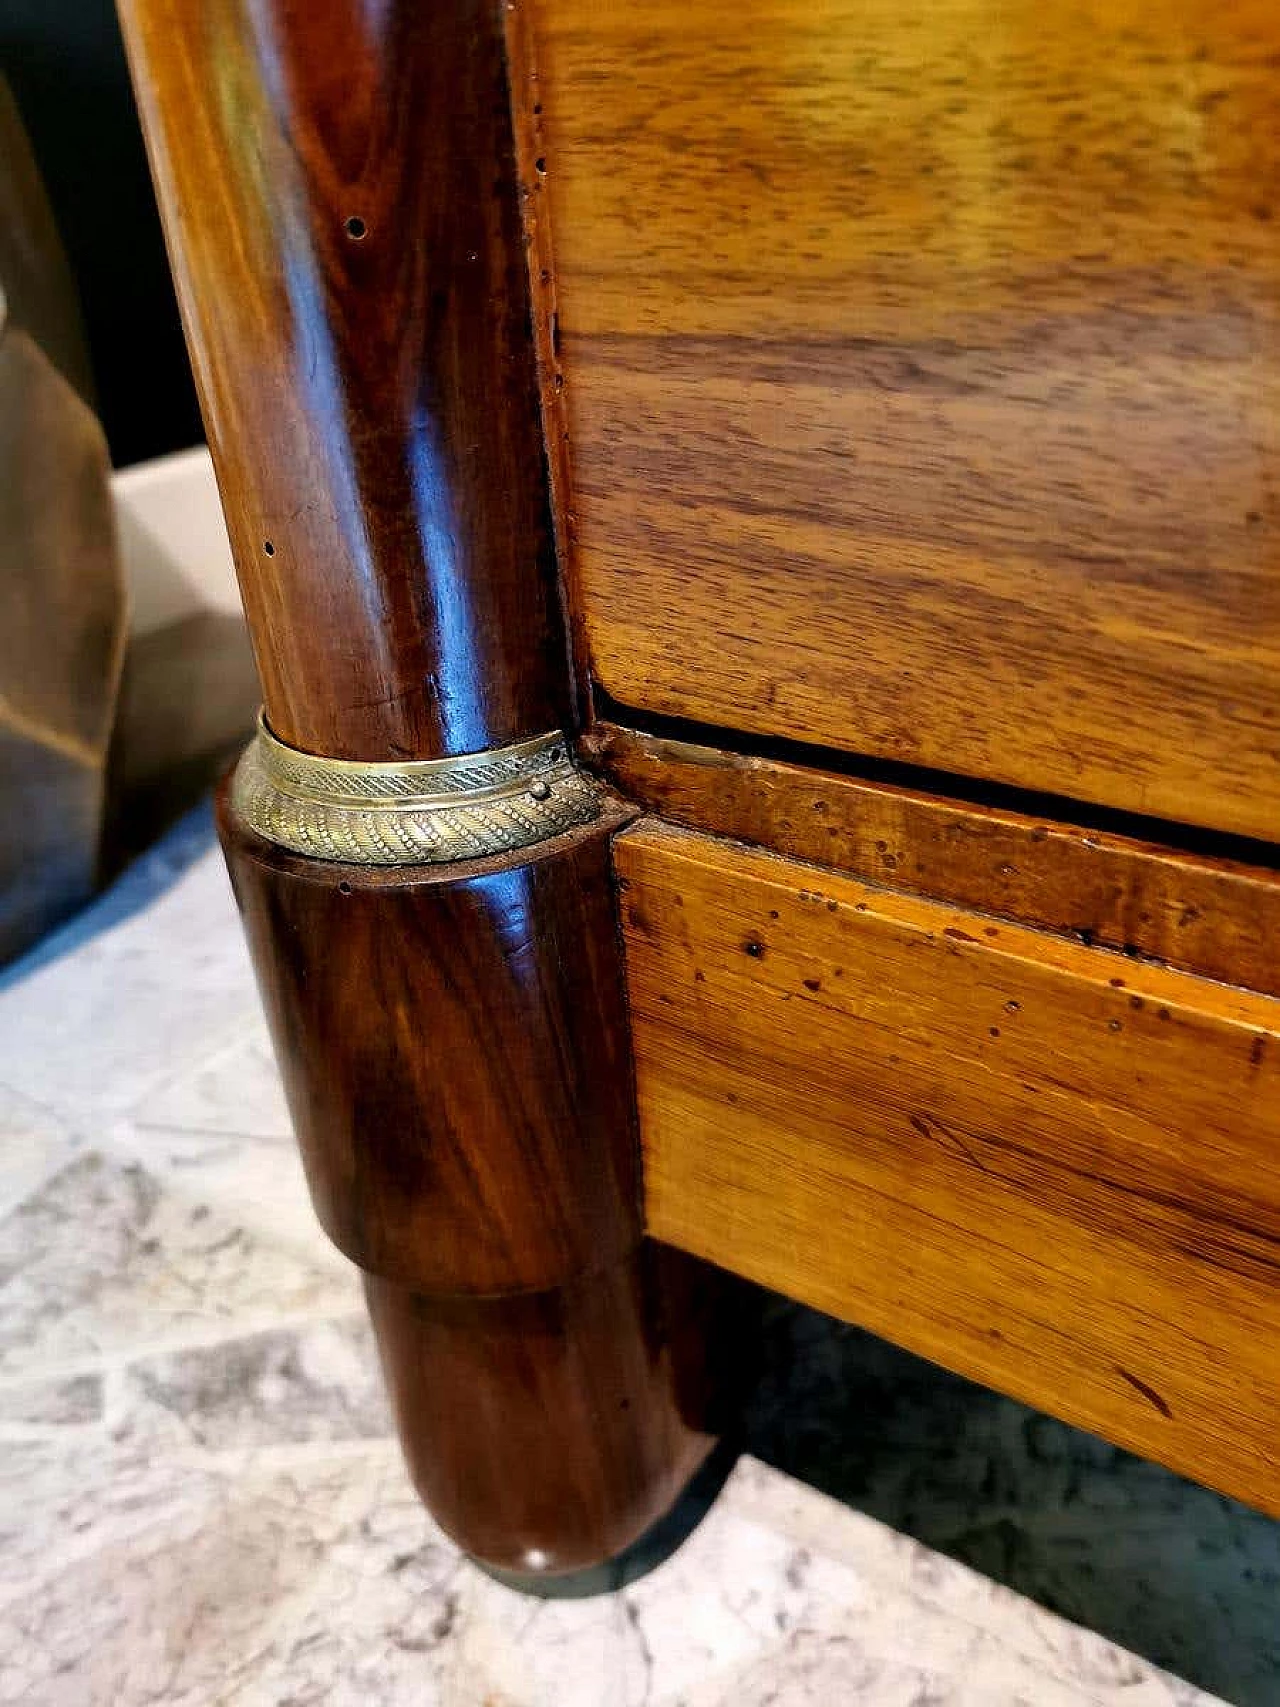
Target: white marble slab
(33, 1145)
(87, 1034)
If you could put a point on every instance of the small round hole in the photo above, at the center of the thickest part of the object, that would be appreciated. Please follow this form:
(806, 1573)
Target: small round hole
(356, 227)
(541, 163)
(344, 888)
(268, 548)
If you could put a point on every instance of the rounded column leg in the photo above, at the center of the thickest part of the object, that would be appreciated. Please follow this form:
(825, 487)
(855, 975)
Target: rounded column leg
(455, 1053)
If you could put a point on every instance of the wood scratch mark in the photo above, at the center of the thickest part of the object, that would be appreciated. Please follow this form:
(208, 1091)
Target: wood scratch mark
(1148, 1393)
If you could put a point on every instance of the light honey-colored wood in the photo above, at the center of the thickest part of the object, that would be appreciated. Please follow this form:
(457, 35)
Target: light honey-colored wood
(1045, 1166)
(1217, 917)
(923, 373)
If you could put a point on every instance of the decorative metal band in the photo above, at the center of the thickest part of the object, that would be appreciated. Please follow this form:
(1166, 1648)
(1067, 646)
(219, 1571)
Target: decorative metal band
(425, 811)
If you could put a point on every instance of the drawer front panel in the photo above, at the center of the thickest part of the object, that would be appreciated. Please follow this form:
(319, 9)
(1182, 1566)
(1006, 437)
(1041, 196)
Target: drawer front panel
(1049, 1167)
(922, 371)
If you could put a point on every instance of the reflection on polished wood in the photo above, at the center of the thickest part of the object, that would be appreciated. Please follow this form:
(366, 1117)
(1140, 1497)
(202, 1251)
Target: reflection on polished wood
(455, 1052)
(1045, 1166)
(454, 1048)
(339, 190)
(923, 370)
(547, 1430)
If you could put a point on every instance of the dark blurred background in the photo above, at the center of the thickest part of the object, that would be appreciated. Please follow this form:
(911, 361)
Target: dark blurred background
(65, 64)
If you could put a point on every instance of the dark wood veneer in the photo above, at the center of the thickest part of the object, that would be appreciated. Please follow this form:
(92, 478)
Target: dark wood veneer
(455, 1049)
(454, 1046)
(341, 199)
(339, 189)
(547, 1430)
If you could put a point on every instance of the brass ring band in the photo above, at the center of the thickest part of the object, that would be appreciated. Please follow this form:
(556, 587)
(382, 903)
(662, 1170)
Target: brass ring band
(417, 812)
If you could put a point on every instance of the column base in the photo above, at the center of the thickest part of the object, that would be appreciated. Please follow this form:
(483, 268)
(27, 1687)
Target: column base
(552, 1434)
(454, 1047)
(658, 1543)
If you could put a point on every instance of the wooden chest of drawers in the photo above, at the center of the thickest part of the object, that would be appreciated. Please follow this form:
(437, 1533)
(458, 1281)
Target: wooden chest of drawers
(760, 534)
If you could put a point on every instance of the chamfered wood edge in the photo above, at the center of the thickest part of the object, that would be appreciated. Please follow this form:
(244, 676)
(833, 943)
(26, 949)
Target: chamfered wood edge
(532, 165)
(1218, 918)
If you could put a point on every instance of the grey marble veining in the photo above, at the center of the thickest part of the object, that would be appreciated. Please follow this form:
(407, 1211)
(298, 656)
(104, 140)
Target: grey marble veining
(201, 1500)
(105, 1256)
(318, 1381)
(50, 1402)
(36, 1144)
(237, 1084)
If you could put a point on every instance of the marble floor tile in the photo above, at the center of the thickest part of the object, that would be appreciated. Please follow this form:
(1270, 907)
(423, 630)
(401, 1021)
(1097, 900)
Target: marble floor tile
(311, 1576)
(1159, 1564)
(261, 1177)
(73, 1502)
(50, 1404)
(922, 1603)
(87, 1034)
(237, 1089)
(192, 1603)
(106, 1257)
(34, 1143)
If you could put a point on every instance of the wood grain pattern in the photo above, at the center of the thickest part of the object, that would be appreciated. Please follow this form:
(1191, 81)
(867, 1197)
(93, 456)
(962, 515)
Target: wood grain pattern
(922, 368)
(340, 195)
(1042, 1165)
(1212, 916)
(547, 1430)
(453, 1041)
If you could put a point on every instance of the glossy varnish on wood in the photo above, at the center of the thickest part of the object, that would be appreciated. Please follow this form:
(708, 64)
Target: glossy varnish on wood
(1045, 1166)
(923, 370)
(553, 1427)
(453, 1041)
(340, 186)
(340, 195)
(454, 1047)
(1218, 917)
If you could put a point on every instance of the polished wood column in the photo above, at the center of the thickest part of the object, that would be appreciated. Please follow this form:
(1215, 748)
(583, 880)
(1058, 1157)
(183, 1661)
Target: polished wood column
(339, 191)
(339, 188)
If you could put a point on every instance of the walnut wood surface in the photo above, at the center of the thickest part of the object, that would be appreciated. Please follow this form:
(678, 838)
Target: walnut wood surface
(455, 1051)
(548, 1430)
(1213, 916)
(341, 194)
(1045, 1166)
(453, 1041)
(339, 189)
(923, 370)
